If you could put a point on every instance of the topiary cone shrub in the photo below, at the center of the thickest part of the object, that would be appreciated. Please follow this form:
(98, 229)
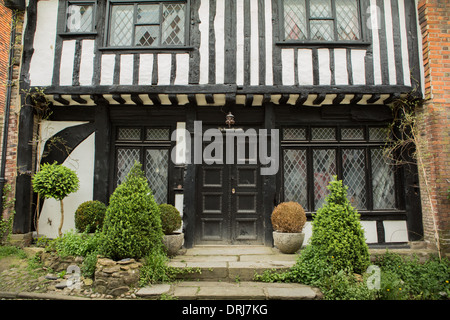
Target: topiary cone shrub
(89, 216)
(170, 218)
(337, 235)
(132, 225)
(288, 217)
(55, 181)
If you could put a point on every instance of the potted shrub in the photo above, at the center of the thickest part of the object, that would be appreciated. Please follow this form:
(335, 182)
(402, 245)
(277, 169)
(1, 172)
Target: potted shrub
(288, 220)
(170, 222)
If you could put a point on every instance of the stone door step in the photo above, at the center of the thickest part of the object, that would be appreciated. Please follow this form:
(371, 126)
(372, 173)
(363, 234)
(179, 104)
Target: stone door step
(230, 263)
(217, 290)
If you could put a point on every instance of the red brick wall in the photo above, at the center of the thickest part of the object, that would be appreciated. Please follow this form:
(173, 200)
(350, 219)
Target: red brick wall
(5, 34)
(434, 18)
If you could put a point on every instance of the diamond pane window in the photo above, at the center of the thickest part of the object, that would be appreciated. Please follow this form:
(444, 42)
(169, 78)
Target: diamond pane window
(324, 164)
(125, 161)
(378, 134)
(148, 14)
(295, 176)
(347, 20)
(320, 9)
(142, 24)
(156, 171)
(383, 186)
(321, 20)
(353, 163)
(121, 29)
(352, 134)
(158, 134)
(294, 134)
(173, 24)
(79, 18)
(322, 30)
(146, 36)
(129, 134)
(323, 134)
(295, 20)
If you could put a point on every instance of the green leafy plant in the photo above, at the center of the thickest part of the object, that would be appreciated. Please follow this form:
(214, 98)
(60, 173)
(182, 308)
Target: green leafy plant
(89, 216)
(55, 181)
(337, 235)
(132, 225)
(288, 217)
(170, 218)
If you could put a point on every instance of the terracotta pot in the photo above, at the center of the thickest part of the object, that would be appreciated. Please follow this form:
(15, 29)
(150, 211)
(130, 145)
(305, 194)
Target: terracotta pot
(288, 242)
(173, 243)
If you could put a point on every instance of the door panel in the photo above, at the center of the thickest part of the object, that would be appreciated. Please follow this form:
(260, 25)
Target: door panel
(229, 207)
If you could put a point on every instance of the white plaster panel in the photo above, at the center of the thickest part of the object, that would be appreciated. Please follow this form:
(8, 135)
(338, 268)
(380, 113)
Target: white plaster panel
(219, 29)
(126, 69)
(81, 160)
(305, 67)
(324, 66)
(269, 43)
(164, 67)
(404, 45)
(107, 69)
(374, 12)
(254, 43)
(395, 231)
(390, 41)
(287, 60)
(145, 69)
(203, 13)
(87, 62)
(370, 231)
(182, 74)
(340, 66)
(66, 66)
(358, 66)
(240, 43)
(41, 64)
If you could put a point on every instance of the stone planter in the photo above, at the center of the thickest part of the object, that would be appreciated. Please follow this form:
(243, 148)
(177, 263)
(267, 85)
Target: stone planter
(288, 242)
(173, 243)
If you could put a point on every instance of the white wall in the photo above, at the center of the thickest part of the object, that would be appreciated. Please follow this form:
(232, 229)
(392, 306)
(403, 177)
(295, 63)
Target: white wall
(81, 160)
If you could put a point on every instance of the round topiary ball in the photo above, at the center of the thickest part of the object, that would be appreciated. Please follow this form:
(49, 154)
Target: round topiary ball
(170, 218)
(89, 216)
(288, 217)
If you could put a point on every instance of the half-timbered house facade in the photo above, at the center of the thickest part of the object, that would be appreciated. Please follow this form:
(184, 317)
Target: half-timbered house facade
(122, 75)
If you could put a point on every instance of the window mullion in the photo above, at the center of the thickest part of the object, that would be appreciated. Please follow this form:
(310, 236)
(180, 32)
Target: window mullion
(308, 17)
(161, 17)
(333, 12)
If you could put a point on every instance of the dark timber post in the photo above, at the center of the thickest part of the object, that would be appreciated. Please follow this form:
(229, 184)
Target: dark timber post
(269, 184)
(190, 185)
(102, 148)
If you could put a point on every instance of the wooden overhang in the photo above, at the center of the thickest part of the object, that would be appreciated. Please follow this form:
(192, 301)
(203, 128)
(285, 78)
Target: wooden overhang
(221, 95)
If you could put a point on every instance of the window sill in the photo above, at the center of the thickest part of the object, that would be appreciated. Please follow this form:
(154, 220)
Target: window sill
(78, 34)
(148, 49)
(322, 44)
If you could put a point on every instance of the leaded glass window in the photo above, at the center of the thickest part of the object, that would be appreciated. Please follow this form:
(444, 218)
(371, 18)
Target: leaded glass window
(312, 155)
(321, 20)
(150, 147)
(147, 24)
(80, 17)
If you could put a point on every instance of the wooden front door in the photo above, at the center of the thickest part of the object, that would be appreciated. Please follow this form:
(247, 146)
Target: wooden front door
(229, 209)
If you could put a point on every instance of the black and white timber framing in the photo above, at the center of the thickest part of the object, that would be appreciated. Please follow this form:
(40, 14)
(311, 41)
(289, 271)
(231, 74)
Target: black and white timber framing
(235, 59)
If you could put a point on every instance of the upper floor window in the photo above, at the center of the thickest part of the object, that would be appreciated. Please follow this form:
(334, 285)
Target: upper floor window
(321, 20)
(80, 16)
(147, 24)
